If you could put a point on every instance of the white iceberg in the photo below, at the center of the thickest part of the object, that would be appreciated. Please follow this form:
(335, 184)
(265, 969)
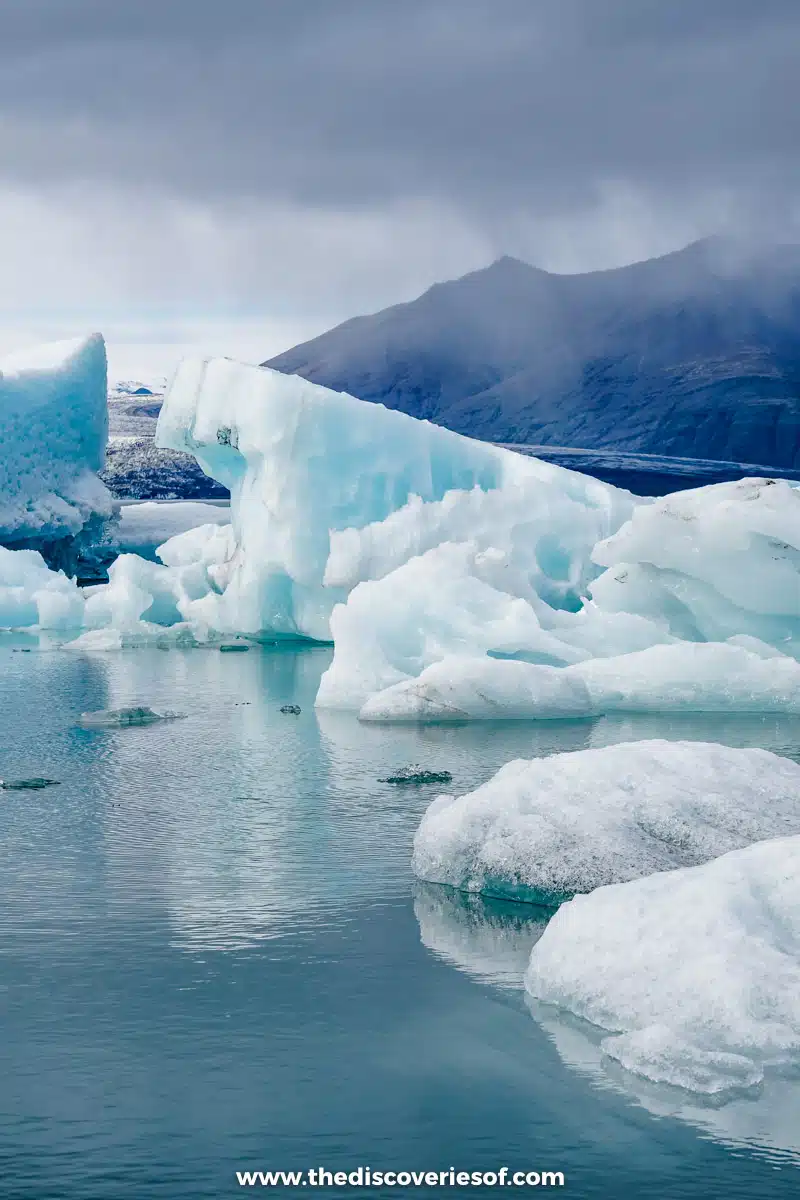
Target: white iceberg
(711, 563)
(33, 595)
(698, 677)
(481, 688)
(53, 429)
(693, 975)
(544, 829)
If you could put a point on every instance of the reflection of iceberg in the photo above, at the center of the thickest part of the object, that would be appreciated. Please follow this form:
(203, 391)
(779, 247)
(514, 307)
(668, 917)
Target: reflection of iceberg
(220, 835)
(766, 1122)
(489, 939)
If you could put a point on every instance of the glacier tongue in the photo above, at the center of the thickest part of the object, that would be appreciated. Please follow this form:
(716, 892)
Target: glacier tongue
(53, 429)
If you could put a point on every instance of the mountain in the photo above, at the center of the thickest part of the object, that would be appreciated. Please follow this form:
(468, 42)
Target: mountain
(695, 354)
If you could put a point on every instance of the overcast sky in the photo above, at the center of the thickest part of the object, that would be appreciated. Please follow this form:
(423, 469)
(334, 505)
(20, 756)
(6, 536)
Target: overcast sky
(242, 174)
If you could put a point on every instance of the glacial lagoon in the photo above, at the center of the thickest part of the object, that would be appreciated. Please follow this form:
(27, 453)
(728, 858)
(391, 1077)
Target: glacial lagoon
(215, 957)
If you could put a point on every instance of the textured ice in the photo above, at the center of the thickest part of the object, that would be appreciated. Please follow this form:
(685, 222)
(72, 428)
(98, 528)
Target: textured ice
(683, 677)
(31, 594)
(53, 428)
(474, 688)
(711, 563)
(328, 491)
(545, 829)
(693, 974)
(112, 718)
(707, 581)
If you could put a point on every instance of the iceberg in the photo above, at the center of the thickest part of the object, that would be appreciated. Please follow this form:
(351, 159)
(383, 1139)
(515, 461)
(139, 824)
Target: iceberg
(456, 579)
(704, 586)
(740, 676)
(709, 564)
(542, 830)
(693, 975)
(33, 595)
(481, 688)
(53, 429)
(328, 491)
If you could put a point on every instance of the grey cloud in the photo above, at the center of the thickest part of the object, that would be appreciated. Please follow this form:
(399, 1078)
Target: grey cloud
(507, 102)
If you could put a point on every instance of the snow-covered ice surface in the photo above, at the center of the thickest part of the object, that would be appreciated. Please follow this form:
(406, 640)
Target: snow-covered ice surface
(544, 829)
(53, 428)
(143, 527)
(693, 975)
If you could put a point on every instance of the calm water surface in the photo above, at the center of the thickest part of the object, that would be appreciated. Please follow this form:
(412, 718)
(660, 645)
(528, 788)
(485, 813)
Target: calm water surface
(213, 957)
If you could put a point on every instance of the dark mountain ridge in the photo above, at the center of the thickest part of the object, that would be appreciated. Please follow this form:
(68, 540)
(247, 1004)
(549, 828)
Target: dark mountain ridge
(696, 354)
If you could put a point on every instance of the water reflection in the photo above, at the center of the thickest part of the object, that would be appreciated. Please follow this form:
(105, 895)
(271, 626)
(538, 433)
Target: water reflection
(764, 1120)
(492, 942)
(488, 939)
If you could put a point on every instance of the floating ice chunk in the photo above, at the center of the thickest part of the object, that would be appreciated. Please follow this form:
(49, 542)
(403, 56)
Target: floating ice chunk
(33, 595)
(694, 973)
(416, 776)
(544, 829)
(53, 428)
(111, 718)
(327, 491)
(27, 785)
(711, 563)
(693, 677)
(472, 688)
(433, 607)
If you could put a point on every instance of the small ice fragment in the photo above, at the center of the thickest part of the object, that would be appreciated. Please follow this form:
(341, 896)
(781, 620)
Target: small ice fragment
(24, 785)
(416, 776)
(107, 718)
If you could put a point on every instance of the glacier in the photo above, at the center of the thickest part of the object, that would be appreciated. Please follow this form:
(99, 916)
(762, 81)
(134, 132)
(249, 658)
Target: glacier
(53, 430)
(541, 830)
(692, 976)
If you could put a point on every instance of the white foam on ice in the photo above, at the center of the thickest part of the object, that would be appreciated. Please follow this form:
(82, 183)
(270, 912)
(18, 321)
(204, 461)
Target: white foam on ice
(53, 429)
(544, 829)
(693, 974)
